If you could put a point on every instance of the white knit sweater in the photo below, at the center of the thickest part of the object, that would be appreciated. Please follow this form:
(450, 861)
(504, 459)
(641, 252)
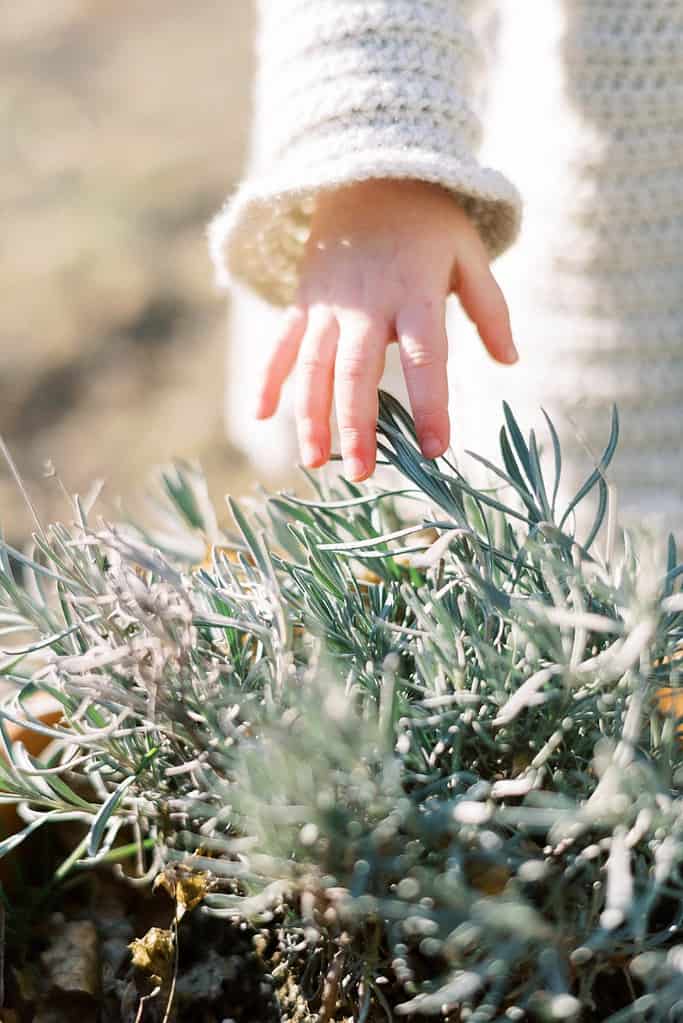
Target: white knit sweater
(350, 89)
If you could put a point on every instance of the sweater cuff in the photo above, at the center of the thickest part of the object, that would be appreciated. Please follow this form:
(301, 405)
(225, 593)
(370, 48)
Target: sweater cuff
(258, 238)
(348, 92)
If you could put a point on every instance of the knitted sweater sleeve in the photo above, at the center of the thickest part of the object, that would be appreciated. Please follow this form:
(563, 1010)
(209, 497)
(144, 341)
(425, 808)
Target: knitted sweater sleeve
(348, 90)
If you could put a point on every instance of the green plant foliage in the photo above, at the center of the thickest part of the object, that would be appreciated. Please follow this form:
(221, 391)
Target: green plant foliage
(427, 720)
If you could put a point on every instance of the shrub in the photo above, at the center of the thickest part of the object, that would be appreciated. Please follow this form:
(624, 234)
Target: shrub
(427, 734)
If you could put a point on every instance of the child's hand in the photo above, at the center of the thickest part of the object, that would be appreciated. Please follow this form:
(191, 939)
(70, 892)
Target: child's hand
(381, 260)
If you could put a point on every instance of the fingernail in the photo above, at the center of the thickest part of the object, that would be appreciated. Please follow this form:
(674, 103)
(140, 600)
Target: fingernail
(511, 353)
(354, 468)
(431, 446)
(261, 407)
(312, 454)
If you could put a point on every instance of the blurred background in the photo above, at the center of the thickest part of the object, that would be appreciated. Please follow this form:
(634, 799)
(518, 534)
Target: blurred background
(122, 130)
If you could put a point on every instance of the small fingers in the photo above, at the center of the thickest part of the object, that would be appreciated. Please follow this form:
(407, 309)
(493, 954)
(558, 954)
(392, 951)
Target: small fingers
(359, 367)
(421, 332)
(314, 386)
(484, 303)
(281, 361)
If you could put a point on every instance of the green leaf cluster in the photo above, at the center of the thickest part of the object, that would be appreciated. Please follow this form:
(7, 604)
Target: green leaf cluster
(431, 718)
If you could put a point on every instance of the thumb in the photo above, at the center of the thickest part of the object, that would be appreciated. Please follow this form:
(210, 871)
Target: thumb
(484, 303)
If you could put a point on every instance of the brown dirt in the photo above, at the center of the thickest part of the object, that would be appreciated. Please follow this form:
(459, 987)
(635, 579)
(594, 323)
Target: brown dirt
(122, 128)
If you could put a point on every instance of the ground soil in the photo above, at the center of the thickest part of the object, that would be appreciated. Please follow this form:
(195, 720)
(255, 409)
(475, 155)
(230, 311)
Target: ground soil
(122, 129)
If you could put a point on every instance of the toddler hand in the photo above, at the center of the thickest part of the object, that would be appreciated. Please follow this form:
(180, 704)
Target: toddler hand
(381, 260)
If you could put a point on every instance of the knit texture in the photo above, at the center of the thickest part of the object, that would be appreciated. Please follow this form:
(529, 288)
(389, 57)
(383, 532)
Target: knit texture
(619, 281)
(596, 281)
(348, 90)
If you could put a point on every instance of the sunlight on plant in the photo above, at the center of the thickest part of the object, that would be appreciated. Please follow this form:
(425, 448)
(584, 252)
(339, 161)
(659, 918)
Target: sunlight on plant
(431, 721)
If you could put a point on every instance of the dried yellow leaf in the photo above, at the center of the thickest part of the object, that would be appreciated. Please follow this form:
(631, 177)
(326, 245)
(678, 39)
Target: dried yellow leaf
(487, 878)
(228, 552)
(670, 702)
(186, 887)
(153, 954)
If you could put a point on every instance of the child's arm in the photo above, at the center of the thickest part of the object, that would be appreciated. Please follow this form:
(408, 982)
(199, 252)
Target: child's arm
(368, 210)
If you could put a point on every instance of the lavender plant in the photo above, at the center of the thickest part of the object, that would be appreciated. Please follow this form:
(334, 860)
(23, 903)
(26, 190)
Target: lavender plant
(418, 731)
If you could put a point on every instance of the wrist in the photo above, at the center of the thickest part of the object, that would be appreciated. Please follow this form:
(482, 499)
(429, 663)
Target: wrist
(376, 195)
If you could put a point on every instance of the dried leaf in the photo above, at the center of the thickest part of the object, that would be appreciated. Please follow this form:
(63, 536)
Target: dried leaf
(153, 954)
(187, 888)
(230, 553)
(670, 702)
(487, 877)
(670, 698)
